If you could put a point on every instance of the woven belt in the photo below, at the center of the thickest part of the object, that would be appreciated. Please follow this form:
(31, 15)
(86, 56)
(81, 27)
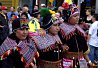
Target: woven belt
(49, 64)
(74, 54)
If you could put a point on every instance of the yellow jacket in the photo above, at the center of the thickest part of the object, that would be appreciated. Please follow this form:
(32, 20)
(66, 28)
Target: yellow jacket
(34, 25)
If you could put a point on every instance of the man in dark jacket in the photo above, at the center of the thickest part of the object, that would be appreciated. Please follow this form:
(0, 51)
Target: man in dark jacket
(4, 29)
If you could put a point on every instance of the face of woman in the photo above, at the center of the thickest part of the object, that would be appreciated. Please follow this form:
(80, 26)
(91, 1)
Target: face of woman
(54, 29)
(12, 17)
(57, 15)
(22, 33)
(88, 12)
(74, 20)
(23, 16)
(35, 7)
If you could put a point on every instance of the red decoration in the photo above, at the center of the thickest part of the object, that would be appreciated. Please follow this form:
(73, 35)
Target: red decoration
(65, 5)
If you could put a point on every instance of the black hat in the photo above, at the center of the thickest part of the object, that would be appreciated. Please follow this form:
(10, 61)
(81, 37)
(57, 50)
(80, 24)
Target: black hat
(19, 23)
(47, 22)
(48, 19)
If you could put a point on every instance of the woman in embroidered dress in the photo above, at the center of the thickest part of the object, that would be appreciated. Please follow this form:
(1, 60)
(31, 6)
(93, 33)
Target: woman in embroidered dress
(75, 40)
(50, 46)
(18, 51)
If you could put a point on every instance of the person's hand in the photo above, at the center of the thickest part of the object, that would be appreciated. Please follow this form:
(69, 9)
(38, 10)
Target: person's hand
(96, 62)
(42, 32)
(1, 26)
(31, 65)
(61, 20)
(65, 48)
(58, 43)
(90, 63)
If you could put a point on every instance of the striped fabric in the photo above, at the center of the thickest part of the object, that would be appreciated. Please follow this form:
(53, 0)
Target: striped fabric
(26, 49)
(70, 30)
(47, 42)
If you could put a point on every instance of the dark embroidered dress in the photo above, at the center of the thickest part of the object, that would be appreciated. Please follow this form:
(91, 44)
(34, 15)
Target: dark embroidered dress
(50, 53)
(73, 35)
(17, 54)
(75, 38)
